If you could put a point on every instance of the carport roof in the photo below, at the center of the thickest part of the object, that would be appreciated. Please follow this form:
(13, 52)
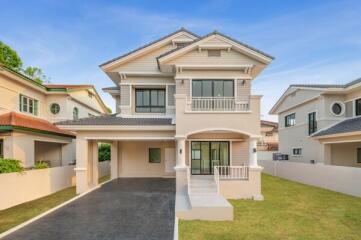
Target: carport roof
(346, 126)
(114, 120)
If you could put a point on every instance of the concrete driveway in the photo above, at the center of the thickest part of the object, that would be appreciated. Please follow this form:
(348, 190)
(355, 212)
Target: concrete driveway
(129, 208)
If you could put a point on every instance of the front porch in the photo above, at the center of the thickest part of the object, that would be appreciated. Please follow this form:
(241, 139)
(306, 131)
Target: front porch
(209, 167)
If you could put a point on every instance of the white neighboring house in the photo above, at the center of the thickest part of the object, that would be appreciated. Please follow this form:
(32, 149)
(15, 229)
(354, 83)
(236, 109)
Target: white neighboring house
(321, 123)
(27, 111)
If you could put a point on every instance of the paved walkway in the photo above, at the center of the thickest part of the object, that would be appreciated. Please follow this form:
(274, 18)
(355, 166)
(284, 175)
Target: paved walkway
(130, 208)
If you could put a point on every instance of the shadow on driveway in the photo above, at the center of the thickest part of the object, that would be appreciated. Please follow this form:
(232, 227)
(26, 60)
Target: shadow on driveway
(126, 208)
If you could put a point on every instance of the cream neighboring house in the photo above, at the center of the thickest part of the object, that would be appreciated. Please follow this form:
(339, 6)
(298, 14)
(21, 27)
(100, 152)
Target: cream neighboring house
(185, 110)
(27, 111)
(321, 123)
(269, 136)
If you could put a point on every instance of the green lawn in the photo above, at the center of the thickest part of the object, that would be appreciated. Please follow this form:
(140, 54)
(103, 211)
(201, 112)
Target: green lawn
(290, 211)
(20, 213)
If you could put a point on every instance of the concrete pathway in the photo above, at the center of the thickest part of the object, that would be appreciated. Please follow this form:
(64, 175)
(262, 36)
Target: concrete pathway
(127, 208)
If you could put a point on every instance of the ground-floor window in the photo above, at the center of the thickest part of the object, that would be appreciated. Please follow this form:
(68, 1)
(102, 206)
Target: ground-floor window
(154, 155)
(1, 148)
(207, 154)
(358, 155)
(297, 151)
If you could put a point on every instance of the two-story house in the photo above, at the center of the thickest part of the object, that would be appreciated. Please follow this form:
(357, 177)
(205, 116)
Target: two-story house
(320, 123)
(184, 109)
(27, 111)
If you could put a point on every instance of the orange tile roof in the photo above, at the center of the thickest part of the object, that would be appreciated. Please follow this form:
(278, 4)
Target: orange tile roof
(14, 119)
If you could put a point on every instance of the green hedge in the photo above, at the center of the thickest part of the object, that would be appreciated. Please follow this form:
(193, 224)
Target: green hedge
(10, 165)
(104, 152)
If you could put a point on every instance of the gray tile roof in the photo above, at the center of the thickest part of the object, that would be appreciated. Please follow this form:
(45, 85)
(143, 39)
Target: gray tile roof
(151, 43)
(328, 85)
(221, 34)
(346, 126)
(111, 88)
(113, 120)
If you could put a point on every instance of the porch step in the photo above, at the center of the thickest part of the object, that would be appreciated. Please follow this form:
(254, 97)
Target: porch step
(203, 202)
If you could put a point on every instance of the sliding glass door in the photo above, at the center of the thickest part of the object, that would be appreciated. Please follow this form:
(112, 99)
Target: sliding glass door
(205, 155)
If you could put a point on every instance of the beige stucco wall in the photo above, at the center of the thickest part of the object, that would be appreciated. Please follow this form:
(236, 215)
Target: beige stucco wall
(10, 91)
(134, 159)
(21, 146)
(345, 154)
(48, 152)
(188, 123)
(336, 178)
(18, 188)
(242, 189)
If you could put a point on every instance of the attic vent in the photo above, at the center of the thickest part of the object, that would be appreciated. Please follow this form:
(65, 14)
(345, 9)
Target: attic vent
(214, 53)
(181, 44)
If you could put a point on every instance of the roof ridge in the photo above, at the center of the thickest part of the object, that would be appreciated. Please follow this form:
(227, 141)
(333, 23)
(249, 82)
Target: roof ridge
(222, 35)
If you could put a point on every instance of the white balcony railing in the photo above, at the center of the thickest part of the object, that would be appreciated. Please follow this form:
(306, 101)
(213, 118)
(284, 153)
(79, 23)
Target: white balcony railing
(216, 104)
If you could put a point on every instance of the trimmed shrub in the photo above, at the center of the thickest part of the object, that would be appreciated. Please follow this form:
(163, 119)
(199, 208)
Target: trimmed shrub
(104, 152)
(41, 165)
(10, 165)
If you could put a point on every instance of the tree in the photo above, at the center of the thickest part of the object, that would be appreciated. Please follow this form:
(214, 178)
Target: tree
(9, 57)
(35, 73)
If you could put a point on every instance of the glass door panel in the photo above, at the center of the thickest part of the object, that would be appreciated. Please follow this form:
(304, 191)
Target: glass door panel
(196, 158)
(205, 155)
(205, 159)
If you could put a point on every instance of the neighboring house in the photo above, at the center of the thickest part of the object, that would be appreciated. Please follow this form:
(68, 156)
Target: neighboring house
(269, 136)
(27, 111)
(321, 123)
(184, 106)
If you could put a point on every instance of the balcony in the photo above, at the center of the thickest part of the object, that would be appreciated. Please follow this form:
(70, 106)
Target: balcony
(216, 104)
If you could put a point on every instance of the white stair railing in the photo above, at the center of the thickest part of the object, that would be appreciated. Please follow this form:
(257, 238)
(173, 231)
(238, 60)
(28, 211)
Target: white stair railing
(216, 104)
(230, 173)
(233, 172)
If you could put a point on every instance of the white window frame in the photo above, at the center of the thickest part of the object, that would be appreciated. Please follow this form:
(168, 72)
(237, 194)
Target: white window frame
(342, 104)
(35, 110)
(297, 155)
(284, 120)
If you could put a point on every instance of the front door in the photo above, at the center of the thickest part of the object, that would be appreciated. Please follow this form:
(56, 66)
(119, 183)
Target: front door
(207, 154)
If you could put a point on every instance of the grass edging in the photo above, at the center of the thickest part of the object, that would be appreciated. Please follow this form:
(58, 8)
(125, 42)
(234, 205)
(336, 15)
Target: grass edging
(21, 225)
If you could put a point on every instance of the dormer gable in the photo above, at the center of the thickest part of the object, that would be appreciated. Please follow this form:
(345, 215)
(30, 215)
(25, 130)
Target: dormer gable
(215, 51)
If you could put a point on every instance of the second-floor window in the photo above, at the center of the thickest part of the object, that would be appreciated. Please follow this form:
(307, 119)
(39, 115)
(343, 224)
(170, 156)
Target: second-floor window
(212, 88)
(358, 107)
(312, 123)
(290, 120)
(28, 105)
(150, 100)
(75, 113)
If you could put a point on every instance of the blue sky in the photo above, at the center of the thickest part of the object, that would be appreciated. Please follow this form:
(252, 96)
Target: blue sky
(313, 41)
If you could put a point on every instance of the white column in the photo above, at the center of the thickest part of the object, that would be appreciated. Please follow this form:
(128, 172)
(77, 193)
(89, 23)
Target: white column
(114, 160)
(81, 169)
(95, 163)
(181, 154)
(252, 152)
